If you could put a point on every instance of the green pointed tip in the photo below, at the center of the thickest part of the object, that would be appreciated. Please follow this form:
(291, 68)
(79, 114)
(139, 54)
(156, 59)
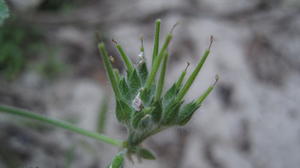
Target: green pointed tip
(217, 78)
(109, 69)
(156, 40)
(125, 58)
(211, 42)
(193, 76)
(173, 27)
(142, 49)
(207, 92)
(181, 77)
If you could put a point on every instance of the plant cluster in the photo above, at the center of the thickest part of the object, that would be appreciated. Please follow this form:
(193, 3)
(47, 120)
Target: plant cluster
(141, 105)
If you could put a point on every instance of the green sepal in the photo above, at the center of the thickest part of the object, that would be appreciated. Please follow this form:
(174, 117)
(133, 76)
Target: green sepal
(145, 154)
(134, 82)
(145, 122)
(147, 96)
(136, 118)
(123, 111)
(170, 95)
(118, 161)
(143, 72)
(124, 89)
(171, 112)
(186, 113)
(157, 111)
(117, 74)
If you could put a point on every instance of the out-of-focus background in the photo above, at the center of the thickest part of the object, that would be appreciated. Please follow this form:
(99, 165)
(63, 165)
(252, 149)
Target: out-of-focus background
(49, 64)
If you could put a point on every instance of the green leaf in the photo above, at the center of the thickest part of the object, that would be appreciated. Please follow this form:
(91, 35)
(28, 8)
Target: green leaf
(4, 11)
(146, 154)
(123, 111)
(143, 72)
(186, 113)
(170, 95)
(136, 118)
(157, 111)
(134, 82)
(124, 89)
(170, 113)
(145, 122)
(118, 161)
(147, 96)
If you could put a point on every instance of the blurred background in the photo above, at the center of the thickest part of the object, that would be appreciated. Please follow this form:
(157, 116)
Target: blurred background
(49, 64)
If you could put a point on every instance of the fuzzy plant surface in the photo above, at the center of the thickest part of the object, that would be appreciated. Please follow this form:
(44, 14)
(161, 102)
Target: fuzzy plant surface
(141, 104)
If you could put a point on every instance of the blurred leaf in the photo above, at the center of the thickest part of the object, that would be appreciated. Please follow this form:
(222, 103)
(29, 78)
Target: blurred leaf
(157, 111)
(134, 82)
(118, 161)
(123, 111)
(143, 72)
(170, 113)
(186, 113)
(146, 154)
(170, 95)
(70, 156)
(102, 116)
(147, 95)
(136, 118)
(4, 11)
(124, 89)
(145, 122)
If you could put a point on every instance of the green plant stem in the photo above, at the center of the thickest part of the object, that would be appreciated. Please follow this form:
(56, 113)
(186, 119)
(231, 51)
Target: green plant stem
(161, 80)
(207, 92)
(61, 124)
(157, 61)
(125, 58)
(193, 76)
(156, 40)
(109, 69)
(181, 77)
(102, 116)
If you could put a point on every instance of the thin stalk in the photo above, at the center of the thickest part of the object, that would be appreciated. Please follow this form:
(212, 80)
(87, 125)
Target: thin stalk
(125, 58)
(102, 116)
(161, 80)
(193, 76)
(61, 124)
(156, 40)
(109, 69)
(157, 61)
(207, 92)
(181, 77)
